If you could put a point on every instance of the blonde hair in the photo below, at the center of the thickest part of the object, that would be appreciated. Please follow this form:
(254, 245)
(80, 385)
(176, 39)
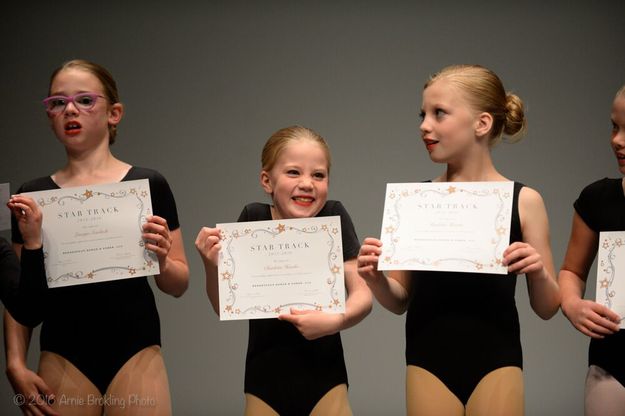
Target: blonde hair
(485, 93)
(281, 138)
(621, 92)
(103, 75)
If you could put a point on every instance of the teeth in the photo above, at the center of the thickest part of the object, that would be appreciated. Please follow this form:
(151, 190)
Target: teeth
(302, 199)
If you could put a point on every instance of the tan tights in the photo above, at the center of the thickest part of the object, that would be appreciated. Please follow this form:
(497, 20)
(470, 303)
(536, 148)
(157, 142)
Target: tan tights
(139, 388)
(604, 395)
(500, 392)
(334, 403)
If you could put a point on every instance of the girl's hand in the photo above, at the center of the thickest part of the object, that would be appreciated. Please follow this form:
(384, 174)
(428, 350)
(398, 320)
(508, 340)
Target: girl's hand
(29, 218)
(368, 257)
(522, 258)
(157, 238)
(208, 245)
(591, 318)
(314, 324)
(32, 394)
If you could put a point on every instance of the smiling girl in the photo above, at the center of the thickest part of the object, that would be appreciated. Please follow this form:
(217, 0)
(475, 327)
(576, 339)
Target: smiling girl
(463, 347)
(295, 364)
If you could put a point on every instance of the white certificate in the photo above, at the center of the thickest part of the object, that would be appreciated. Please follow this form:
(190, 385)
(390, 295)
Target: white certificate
(446, 226)
(93, 233)
(5, 213)
(267, 267)
(611, 272)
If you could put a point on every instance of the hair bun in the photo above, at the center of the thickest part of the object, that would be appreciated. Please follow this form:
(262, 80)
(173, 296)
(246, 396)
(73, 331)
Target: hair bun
(515, 123)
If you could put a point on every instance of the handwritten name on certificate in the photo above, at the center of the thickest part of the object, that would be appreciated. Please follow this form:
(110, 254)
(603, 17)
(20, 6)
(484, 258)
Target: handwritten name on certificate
(267, 267)
(93, 233)
(446, 226)
(611, 272)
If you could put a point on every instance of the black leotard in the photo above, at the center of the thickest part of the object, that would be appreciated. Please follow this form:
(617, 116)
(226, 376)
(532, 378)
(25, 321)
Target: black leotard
(97, 326)
(601, 205)
(461, 326)
(286, 371)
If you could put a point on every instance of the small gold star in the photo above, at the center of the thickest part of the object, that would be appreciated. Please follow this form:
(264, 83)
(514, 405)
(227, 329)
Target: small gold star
(88, 194)
(335, 269)
(604, 283)
(281, 228)
(226, 275)
(451, 189)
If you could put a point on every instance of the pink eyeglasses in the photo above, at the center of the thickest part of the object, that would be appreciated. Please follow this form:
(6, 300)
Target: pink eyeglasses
(82, 101)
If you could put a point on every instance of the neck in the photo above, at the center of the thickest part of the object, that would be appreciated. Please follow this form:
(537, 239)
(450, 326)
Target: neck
(91, 166)
(475, 168)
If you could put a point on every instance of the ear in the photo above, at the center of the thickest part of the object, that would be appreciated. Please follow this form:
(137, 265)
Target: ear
(265, 182)
(483, 124)
(116, 112)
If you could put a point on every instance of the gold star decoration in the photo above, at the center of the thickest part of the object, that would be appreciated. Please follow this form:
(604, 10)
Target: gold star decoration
(281, 228)
(606, 245)
(335, 269)
(226, 275)
(451, 189)
(132, 270)
(479, 266)
(90, 275)
(335, 231)
(604, 283)
(389, 230)
(88, 194)
(228, 308)
(501, 230)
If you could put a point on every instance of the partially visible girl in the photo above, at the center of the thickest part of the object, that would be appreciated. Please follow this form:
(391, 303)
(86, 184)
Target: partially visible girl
(600, 207)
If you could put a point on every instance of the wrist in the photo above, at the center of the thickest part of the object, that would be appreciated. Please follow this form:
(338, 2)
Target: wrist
(33, 244)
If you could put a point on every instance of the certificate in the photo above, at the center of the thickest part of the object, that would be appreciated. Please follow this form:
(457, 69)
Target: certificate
(5, 213)
(93, 233)
(446, 226)
(267, 267)
(611, 272)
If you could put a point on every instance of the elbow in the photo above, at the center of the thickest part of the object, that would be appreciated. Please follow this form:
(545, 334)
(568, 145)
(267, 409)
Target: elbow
(546, 312)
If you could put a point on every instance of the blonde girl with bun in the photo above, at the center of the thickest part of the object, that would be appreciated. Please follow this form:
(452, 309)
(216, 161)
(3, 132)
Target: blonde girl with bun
(463, 346)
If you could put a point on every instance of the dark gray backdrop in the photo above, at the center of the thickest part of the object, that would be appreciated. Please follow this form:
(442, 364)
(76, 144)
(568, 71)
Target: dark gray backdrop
(205, 84)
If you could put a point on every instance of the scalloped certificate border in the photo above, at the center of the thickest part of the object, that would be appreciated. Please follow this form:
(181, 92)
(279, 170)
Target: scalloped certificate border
(610, 257)
(84, 196)
(331, 270)
(500, 193)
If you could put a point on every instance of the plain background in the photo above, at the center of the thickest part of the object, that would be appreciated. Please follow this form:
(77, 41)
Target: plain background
(206, 83)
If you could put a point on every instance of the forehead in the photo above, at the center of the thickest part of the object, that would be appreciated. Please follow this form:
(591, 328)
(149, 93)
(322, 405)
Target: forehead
(443, 92)
(303, 151)
(618, 108)
(73, 80)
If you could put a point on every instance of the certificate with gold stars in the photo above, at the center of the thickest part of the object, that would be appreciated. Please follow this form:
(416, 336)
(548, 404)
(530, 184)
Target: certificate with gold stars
(446, 226)
(611, 272)
(93, 233)
(267, 267)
